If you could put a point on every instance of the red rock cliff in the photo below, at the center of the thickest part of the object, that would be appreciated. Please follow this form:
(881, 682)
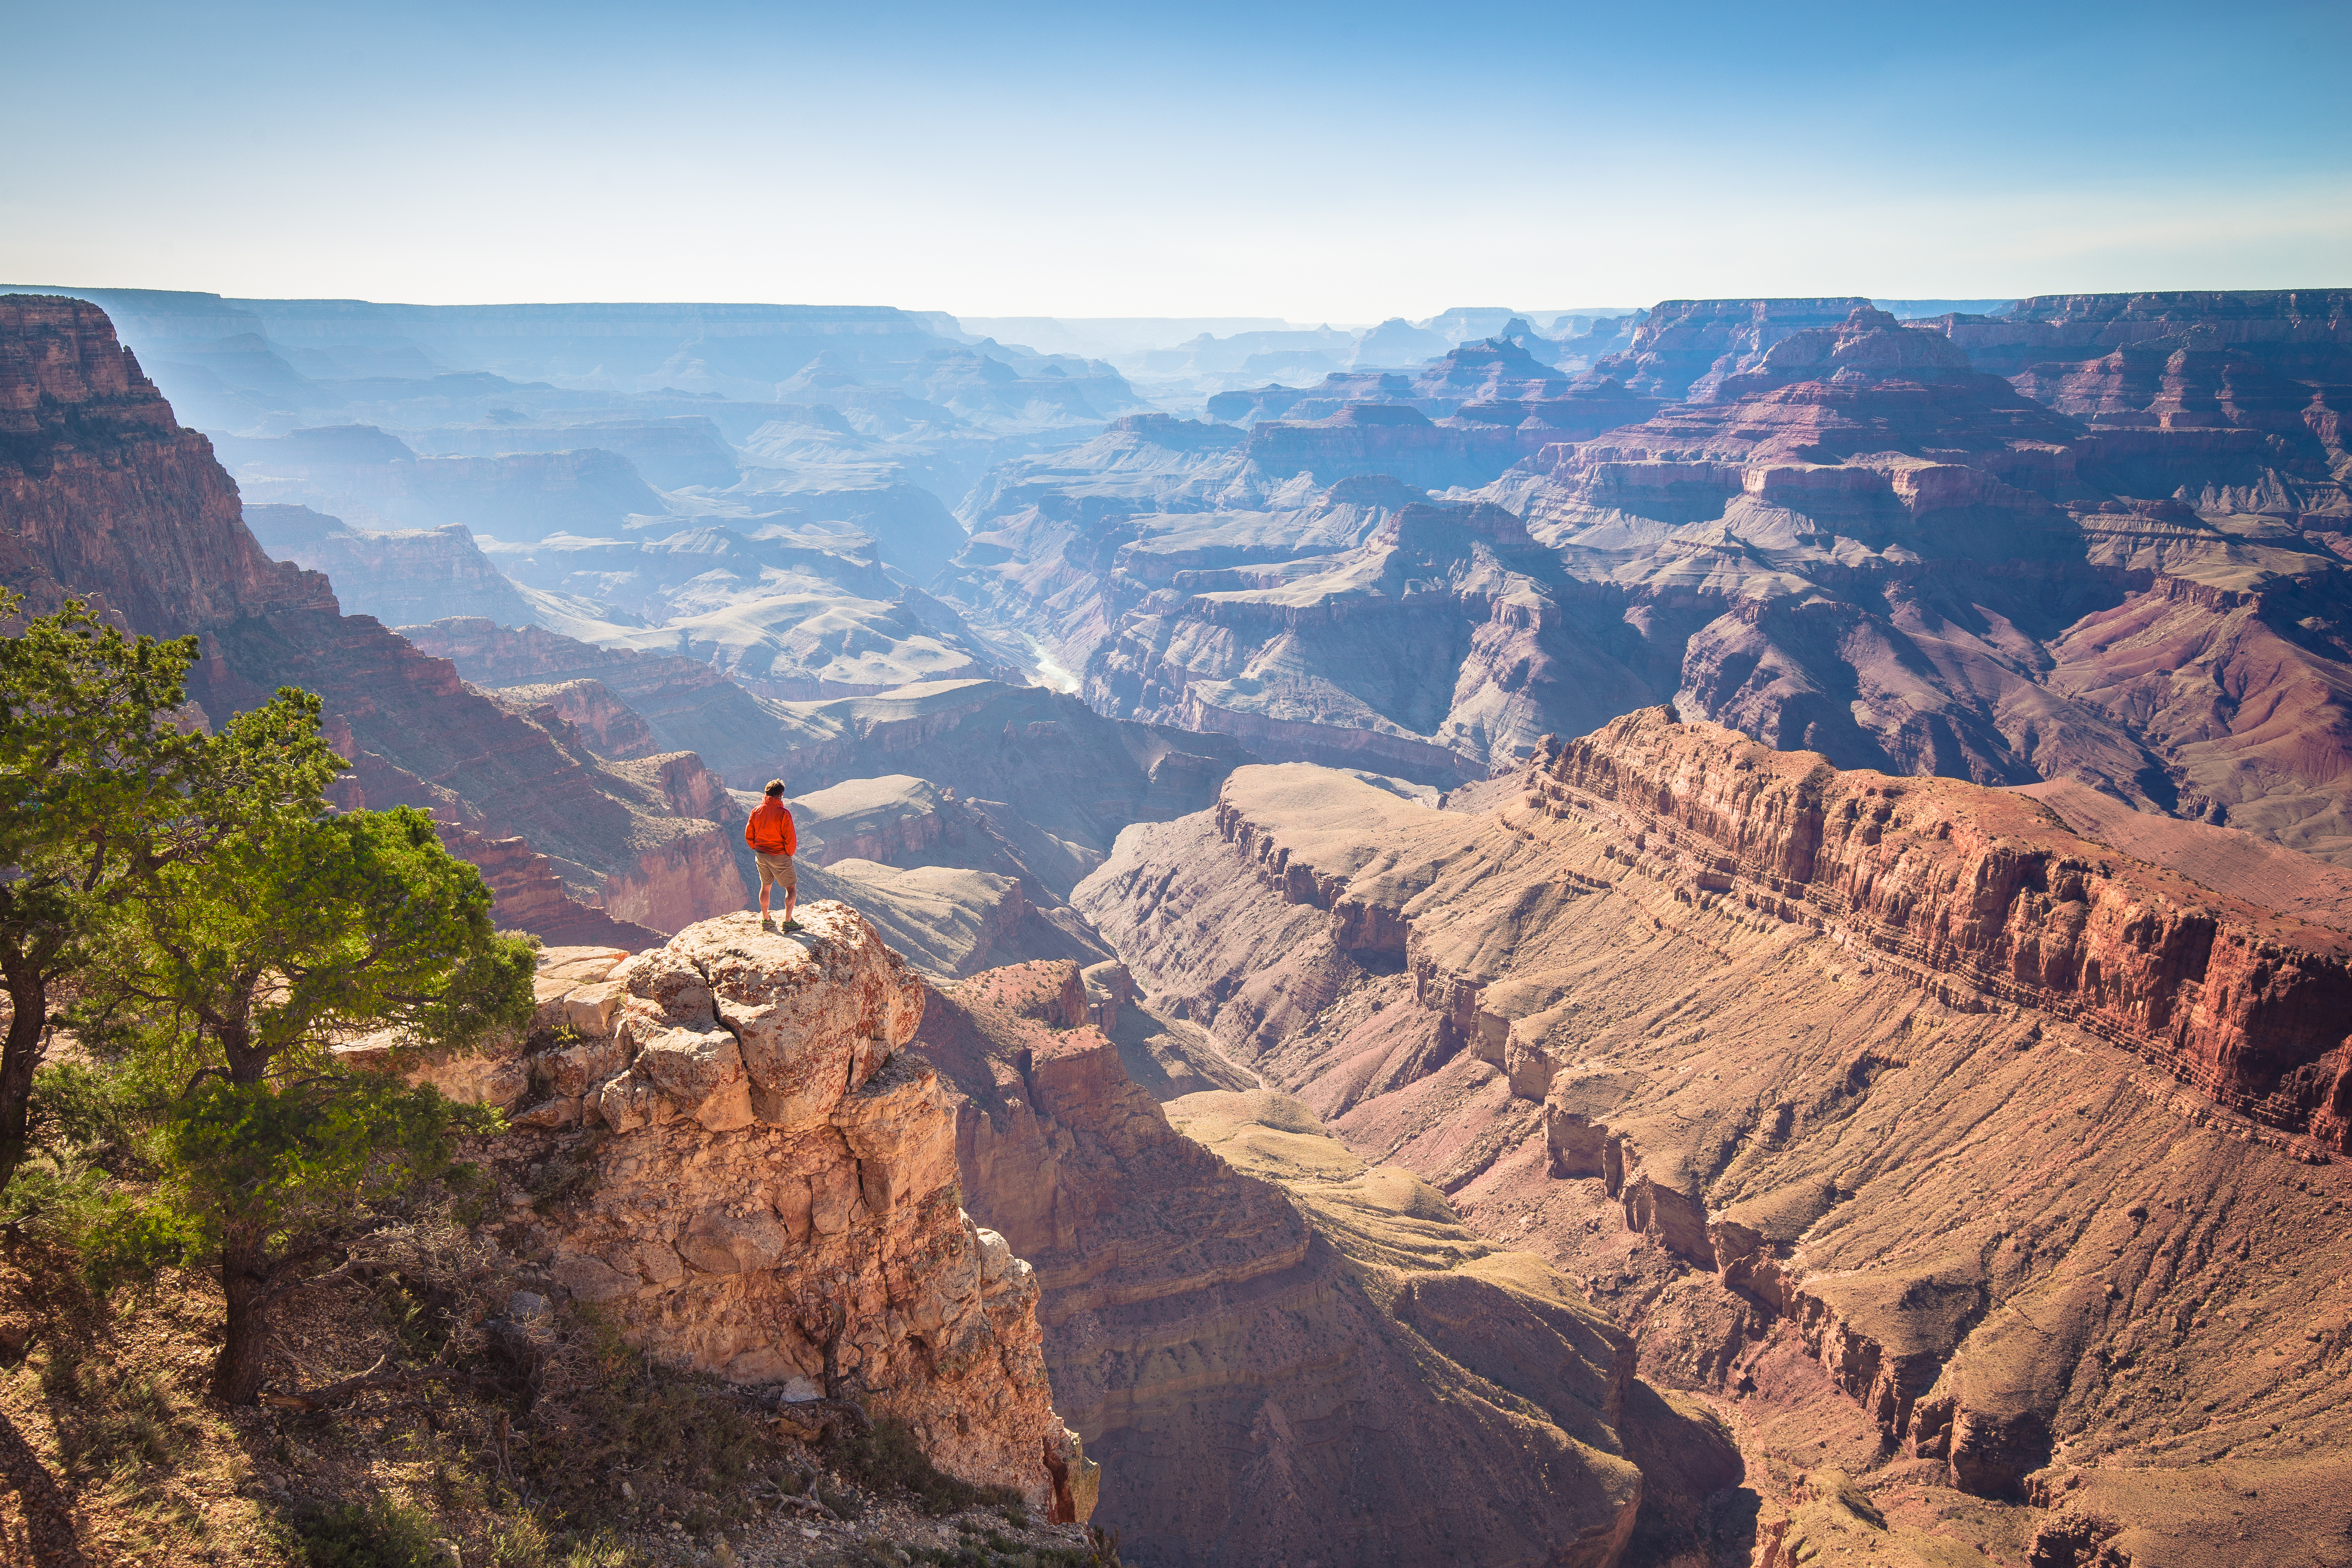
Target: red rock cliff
(2252, 1008)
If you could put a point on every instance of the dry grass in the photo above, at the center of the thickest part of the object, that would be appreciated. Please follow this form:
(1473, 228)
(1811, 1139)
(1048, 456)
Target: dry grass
(561, 1448)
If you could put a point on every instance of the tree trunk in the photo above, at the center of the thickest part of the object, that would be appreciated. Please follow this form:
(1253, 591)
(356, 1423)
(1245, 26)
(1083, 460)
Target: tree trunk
(18, 1059)
(237, 1374)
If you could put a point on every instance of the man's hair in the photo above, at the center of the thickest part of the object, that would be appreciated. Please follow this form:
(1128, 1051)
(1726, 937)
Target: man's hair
(775, 786)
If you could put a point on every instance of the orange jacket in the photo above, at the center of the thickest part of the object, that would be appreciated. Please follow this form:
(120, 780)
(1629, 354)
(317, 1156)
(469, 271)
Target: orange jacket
(770, 831)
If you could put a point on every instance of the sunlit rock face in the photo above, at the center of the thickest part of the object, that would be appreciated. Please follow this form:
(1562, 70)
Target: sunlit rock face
(773, 1193)
(1969, 1154)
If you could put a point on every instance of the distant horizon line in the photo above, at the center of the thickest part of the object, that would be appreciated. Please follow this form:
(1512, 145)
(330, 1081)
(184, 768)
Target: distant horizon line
(1275, 321)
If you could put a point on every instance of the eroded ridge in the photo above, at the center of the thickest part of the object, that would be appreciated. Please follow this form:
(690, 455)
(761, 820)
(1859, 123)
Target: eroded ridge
(1951, 882)
(1832, 1112)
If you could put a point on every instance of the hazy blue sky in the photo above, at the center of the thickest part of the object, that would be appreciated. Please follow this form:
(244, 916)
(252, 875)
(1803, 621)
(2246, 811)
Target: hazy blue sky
(1316, 162)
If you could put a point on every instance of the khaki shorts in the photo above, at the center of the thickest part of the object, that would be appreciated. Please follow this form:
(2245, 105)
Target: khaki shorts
(776, 869)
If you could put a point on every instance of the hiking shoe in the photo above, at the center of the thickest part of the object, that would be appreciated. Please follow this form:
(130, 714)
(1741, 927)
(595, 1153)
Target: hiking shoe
(792, 925)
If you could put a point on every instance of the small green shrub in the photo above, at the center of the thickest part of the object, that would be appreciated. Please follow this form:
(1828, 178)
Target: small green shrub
(522, 1543)
(562, 1179)
(58, 1195)
(602, 1549)
(378, 1533)
(674, 1433)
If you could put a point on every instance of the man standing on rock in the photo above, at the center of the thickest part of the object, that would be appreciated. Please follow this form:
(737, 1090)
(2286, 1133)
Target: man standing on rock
(770, 834)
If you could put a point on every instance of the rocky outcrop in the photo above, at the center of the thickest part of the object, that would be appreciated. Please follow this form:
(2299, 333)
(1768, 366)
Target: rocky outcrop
(1684, 348)
(684, 705)
(773, 1196)
(894, 817)
(1446, 640)
(531, 896)
(400, 577)
(606, 724)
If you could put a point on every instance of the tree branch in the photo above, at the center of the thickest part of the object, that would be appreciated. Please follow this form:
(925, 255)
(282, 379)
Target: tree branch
(200, 1075)
(368, 1382)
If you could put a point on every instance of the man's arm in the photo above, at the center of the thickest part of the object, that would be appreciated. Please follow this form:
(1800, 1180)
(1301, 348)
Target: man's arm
(747, 823)
(792, 834)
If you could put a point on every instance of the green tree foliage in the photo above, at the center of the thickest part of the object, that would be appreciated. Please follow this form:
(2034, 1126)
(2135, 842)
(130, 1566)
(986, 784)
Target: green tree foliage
(300, 930)
(102, 786)
(235, 975)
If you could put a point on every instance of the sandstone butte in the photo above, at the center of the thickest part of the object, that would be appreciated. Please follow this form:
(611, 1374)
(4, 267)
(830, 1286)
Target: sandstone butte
(104, 495)
(1990, 1179)
(771, 1189)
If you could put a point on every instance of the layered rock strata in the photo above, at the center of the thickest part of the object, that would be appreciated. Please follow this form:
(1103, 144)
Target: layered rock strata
(2252, 1008)
(1949, 1143)
(1848, 537)
(1685, 348)
(414, 574)
(1302, 1355)
(682, 704)
(765, 1186)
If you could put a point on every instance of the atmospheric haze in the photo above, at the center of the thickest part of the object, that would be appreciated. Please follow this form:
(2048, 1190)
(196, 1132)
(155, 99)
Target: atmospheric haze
(1316, 163)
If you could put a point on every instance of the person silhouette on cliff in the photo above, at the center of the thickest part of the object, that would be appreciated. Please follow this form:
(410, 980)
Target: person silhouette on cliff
(772, 840)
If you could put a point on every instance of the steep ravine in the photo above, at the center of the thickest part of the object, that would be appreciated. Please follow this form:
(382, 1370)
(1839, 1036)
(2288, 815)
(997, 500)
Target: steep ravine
(1971, 1159)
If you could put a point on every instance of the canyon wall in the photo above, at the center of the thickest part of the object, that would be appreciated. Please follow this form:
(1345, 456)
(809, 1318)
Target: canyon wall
(1965, 1157)
(418, 574)
(1804, 518)
(1278, 1352)
(104, 496)
(2251, 1007)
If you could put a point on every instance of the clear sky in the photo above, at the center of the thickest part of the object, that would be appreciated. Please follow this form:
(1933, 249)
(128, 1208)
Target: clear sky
(1340, 162)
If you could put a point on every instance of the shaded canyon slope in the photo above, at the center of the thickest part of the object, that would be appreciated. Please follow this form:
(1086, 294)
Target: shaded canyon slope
(1989, 1176)
(104, 495)
(1277, 1351)
(1845, 534)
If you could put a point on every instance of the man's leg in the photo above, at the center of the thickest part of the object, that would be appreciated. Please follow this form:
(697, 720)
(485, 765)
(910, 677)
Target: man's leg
(767, 880)
(791, 890)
